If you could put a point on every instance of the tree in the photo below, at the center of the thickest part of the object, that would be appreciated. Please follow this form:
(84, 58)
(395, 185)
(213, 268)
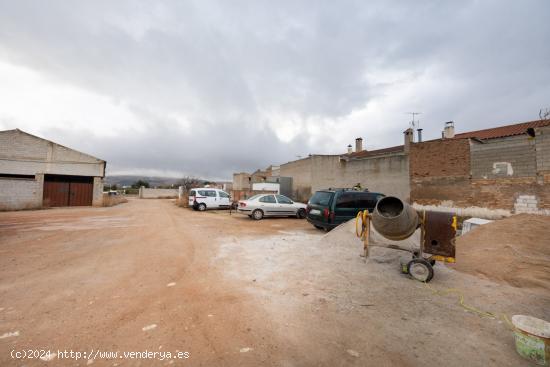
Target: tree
(139, 183)
(189, 182)
(544, 113)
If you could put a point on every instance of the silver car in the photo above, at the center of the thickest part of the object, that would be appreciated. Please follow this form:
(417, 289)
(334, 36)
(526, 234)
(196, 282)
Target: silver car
(271, 205)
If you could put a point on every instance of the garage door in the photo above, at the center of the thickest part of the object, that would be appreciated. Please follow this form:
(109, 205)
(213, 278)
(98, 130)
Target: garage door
(67, 190)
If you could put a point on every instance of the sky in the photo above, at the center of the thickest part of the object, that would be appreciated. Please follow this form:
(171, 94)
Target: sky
(206, 88)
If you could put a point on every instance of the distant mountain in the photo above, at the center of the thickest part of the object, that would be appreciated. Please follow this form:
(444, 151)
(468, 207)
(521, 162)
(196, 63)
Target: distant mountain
(129, 180)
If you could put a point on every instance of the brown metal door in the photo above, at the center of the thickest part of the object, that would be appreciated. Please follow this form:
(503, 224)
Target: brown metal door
(56, 193)
(439, 238)
(80, 194)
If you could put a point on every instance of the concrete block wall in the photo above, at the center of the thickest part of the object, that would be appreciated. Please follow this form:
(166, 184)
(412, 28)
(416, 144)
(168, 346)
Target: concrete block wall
(521, 184)
(300, 171)
(147, 193)
(505, 157)
(17, 194)
(527, 204)
(542, 147)
(27, 155)
(388, 174)
(241, 181)
(97, 198)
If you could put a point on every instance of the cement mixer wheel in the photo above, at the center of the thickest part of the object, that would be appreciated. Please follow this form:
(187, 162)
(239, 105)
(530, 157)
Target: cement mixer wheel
(420, 270)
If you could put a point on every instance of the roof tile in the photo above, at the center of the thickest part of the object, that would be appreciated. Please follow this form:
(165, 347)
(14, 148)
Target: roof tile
(503, 131)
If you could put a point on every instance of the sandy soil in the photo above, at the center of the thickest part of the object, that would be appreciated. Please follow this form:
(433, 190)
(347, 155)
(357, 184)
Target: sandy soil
(147, 275)
(514, 251)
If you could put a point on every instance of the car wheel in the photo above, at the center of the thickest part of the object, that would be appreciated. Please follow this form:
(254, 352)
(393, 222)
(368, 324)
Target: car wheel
(202, 207)
(301, 214)
(257, 214)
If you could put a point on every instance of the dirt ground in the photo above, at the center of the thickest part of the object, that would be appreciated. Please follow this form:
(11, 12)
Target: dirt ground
(149, 276)
(515, 251)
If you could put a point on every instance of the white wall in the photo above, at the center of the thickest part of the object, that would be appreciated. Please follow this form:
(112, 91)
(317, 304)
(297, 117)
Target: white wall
(145, 193)
(25, 154)
(16, 194)
(266, 186)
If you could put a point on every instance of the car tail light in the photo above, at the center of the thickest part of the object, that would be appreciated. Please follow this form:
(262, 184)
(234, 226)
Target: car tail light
(241, 204)
(326, 213)
(308, 208)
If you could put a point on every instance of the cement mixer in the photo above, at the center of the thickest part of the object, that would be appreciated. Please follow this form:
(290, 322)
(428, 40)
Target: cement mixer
(396, 220)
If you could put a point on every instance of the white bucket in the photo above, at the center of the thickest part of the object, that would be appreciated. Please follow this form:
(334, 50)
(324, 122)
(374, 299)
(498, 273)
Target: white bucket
(532, 338)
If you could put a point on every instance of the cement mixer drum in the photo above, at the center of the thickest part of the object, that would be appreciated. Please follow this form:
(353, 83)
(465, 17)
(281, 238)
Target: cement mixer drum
(394, 219)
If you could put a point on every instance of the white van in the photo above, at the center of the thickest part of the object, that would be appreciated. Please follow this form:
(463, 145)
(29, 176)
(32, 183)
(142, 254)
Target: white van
(208, 198)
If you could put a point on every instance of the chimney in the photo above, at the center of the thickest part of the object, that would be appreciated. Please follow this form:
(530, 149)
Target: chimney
(449, 130)
(358, 144)
(350, 149)
(419, 135)
(409, 138)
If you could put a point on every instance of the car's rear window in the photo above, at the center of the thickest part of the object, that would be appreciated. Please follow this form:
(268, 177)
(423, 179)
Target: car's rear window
(347, 200)
(192, 193)
(366, 200)
(321, 198)
(283, 199)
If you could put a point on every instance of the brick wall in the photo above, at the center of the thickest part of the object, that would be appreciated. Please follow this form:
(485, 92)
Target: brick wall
(500, 173)
(440, 158)
(440, 172)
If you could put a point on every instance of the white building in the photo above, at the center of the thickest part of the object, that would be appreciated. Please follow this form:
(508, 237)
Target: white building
(36, 172)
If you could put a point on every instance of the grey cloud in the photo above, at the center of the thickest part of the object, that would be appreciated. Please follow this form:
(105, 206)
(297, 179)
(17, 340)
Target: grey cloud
(223, 65)
(209, 151)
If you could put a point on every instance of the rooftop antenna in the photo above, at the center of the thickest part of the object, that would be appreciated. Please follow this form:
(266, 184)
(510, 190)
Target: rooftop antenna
(414, 122)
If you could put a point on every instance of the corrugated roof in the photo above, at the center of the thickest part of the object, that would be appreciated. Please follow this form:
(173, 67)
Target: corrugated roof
(503, 131)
